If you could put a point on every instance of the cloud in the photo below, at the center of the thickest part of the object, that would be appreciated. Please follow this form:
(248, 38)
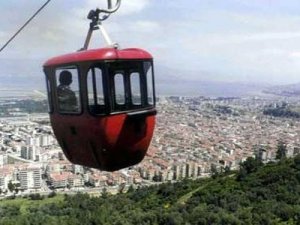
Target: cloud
(236, 45)
(295, 55)
(126, 8)
(62, 26)
(267, 57)
(232, 40)
(249, 37)
(2, 34)
(133, 6)
(146, 26)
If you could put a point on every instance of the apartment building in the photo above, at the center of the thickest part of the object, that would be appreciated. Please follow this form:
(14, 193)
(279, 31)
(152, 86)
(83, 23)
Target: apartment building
(30, 178)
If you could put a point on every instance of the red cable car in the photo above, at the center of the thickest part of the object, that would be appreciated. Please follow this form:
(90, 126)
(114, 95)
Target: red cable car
(102, 104)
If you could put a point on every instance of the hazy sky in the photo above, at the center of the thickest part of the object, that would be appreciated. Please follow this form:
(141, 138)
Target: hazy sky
(228, 40)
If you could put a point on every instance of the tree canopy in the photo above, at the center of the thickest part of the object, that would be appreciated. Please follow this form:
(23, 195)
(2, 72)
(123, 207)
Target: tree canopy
(266, 194)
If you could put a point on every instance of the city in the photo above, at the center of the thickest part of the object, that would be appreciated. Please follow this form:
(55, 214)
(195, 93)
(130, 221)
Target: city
(193, 137)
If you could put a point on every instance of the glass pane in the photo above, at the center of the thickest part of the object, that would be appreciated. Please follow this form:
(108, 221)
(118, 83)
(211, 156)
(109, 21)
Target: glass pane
(95, 90)
(149, 75)
(135, 88)
(119, 89)
(95, 87)
(68, 90)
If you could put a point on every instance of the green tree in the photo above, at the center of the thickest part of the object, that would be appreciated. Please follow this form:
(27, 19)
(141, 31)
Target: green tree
(104, 193)
(227, 169)
(130, 189)
(11, 187)
(121, 188)
(214, 171)
(297, 162)
(251, 165)
(52, 194)
(36, 196)
(156, 178)
(281, 151)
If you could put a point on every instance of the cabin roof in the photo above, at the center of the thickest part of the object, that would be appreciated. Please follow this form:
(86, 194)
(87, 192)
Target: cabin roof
(99, 54)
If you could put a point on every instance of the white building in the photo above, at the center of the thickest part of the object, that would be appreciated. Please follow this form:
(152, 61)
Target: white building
(77, 169)
(4, 180)
(3, 159)
(46, 140)
(33, 141)
(75, 180)
(30, 178)
(59, 180)
(30, 153)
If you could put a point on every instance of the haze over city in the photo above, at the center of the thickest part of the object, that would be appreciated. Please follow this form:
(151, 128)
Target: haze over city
(224, 41)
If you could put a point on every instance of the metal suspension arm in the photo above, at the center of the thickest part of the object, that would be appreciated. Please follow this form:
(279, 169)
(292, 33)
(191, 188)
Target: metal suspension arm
(110, 9)
(94, 16)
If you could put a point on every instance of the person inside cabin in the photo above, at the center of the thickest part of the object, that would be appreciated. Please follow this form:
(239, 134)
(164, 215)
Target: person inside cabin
(67, 101)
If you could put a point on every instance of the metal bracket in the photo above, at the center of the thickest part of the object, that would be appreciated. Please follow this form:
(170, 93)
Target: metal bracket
(96, 24)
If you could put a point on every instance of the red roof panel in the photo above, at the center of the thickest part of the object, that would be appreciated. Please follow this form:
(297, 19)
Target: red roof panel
(99, 54)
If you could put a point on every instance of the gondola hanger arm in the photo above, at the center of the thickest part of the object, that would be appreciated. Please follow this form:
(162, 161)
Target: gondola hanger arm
(96, 18)
(109, 6)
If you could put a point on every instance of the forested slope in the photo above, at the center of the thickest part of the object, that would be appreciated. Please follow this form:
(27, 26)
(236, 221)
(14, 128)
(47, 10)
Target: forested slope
(256, 194)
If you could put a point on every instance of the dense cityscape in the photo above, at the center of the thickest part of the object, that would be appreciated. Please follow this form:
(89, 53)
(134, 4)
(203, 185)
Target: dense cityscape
(194, 136)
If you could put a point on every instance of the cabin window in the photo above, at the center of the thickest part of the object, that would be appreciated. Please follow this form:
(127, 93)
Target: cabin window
(148, 70)
(68, 94)
(96, 101)
(131, 85)
(119, 89)
(135, 84)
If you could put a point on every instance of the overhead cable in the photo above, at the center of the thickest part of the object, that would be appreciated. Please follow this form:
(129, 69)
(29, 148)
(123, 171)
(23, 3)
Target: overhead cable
(25, 24)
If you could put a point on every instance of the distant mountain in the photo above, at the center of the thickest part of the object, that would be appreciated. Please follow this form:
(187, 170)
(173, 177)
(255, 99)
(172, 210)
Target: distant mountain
(27, 83)
(31, 77)
(193, 83)
(168, 82)
(291, 90)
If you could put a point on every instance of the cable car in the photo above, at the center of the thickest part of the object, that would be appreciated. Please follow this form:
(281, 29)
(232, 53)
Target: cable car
(102, 103)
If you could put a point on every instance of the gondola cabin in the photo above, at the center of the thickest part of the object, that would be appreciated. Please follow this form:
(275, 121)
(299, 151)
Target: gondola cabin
(102, 106)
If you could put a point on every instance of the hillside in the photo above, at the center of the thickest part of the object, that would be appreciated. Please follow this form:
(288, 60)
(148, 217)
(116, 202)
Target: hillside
(282, 110)
(290, 90)
(256, 194)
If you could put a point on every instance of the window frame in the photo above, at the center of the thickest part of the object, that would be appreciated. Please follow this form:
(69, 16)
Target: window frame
(49, 92)
(130, 74)
(80, 99)
(127, 67)
(152, 84)
(105, 107)
(115, 105)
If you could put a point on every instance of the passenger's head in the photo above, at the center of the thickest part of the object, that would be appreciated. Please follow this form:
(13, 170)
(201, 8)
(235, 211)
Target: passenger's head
(65, 78)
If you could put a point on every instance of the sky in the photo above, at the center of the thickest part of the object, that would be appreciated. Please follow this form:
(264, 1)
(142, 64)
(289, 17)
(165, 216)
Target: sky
(248, 41)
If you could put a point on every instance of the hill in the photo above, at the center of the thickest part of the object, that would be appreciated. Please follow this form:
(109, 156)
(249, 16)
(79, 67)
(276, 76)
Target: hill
(290, 90)
(256, 194)
(194, 83)
(168, 82)
(282, 110)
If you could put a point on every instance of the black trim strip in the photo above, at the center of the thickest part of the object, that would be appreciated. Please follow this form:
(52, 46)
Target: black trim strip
(151, 112)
